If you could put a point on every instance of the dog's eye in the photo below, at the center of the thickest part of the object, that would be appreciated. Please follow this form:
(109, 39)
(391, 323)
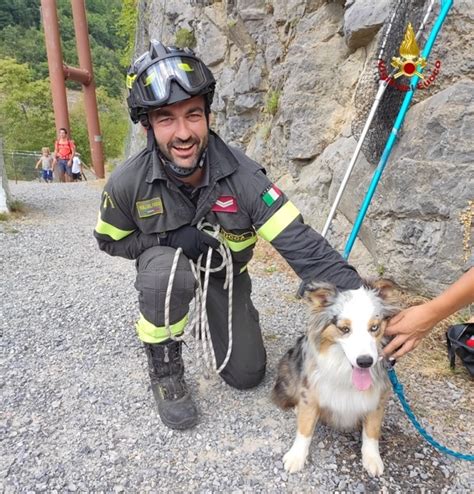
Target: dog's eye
(374, 328)
(344, 329)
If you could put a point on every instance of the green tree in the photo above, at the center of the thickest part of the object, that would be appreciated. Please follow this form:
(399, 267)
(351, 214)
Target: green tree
(113, 122)
(26, 45)
(25, 13)
(26, 116)
(126, 29)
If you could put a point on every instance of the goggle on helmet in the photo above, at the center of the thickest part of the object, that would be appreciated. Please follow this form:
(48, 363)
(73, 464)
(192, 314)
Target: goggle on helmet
(165, 75)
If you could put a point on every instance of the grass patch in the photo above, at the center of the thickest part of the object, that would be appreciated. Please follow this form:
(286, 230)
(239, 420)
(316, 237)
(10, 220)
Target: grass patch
(16, 210)
(272, 102)
(185, 38)
(16, 206)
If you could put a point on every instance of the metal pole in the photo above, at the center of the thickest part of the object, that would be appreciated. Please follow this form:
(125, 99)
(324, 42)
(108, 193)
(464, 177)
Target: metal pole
(382, 87)
(446, 5)
(55, 63)
(90, 101)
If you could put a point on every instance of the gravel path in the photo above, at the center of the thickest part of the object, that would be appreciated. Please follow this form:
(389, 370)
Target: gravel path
(78, 414)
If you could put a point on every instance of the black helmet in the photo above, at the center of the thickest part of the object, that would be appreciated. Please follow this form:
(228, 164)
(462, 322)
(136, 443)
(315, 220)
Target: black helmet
(164, 75)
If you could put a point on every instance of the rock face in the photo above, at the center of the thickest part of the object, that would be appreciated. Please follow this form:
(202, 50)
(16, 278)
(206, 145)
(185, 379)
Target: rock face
(362, 20)
(296, 80)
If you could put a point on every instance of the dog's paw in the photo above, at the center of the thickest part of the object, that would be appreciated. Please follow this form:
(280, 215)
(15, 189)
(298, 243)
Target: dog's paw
(373, 464)
(294, 460)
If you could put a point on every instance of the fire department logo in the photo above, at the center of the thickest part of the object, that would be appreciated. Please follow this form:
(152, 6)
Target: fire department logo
(408, 64)
(409, 60)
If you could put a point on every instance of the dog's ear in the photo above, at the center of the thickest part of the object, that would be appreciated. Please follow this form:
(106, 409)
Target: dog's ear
(387, 289)
(319, 294)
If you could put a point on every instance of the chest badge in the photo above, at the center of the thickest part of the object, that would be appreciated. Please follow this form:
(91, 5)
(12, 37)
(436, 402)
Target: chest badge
(149, 207)
(225, 204)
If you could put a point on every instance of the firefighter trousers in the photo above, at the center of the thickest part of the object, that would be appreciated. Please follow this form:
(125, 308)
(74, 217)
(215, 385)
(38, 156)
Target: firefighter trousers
(246, 367)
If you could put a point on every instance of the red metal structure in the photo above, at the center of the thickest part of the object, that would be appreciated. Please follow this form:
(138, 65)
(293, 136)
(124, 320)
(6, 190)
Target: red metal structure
(60, 72)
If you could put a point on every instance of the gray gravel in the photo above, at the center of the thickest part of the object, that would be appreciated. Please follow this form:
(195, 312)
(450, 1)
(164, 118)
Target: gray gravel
(78, 414)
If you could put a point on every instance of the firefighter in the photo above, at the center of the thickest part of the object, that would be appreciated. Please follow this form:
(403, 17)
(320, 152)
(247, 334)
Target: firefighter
(152, 204)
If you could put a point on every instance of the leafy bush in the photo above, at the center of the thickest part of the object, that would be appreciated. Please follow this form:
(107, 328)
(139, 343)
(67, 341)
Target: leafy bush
(185, 38)
(272, 101)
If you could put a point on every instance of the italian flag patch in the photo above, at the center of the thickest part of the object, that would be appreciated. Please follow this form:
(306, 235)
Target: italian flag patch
(271, 194)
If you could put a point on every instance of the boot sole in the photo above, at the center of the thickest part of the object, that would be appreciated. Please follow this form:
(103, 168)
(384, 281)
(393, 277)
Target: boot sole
(180, 426)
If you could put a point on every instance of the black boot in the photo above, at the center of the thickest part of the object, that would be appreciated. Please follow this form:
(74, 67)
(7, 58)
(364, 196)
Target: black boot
(166, 369)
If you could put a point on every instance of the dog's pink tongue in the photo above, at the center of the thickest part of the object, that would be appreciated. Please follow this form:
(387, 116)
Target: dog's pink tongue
(361, 378)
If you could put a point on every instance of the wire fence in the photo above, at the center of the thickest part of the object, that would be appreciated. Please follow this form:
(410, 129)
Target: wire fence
(20, 166)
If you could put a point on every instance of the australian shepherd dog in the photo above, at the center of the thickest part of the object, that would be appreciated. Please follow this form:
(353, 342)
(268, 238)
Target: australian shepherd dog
(334, 373)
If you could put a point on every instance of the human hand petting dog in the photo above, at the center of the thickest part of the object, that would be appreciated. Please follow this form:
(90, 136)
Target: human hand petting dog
(411, 325)
(408, 328)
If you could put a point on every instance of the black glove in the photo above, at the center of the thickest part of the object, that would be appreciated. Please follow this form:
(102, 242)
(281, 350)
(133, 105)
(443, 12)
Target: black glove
(193, 241)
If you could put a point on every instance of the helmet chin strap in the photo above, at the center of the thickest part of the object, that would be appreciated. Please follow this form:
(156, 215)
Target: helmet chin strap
(181, 171)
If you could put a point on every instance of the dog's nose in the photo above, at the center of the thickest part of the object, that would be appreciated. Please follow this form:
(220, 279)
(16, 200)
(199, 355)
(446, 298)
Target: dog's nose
(364, 361)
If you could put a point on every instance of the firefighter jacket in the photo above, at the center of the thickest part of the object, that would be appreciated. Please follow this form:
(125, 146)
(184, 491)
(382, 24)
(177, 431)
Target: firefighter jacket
(140, 202)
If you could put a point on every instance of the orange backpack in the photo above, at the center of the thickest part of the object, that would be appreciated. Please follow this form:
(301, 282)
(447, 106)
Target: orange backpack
(64, 150)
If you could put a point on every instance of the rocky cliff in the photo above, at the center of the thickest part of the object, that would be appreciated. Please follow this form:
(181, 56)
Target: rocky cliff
(296, 80)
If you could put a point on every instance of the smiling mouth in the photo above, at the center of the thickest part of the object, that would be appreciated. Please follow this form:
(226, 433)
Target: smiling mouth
(184, 148)
(184, 151)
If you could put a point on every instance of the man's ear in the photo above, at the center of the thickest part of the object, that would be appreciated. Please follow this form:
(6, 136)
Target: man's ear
(145, 121)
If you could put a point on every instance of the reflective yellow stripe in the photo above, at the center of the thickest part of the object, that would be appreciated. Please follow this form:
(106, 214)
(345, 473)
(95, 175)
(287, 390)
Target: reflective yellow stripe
(239, 246)
(278, 222)
(130, 79)
(112, 231)
(149, 333)
(243, 268)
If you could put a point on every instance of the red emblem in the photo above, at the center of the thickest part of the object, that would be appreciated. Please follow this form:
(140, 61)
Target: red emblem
(225, 204)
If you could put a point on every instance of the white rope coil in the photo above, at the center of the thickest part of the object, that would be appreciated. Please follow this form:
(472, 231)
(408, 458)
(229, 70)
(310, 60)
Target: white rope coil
(198, 321)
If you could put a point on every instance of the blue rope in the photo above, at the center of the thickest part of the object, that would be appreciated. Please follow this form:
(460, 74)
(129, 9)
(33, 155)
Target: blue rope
(398, 389)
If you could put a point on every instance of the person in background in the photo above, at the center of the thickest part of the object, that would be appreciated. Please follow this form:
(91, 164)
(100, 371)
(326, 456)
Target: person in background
(76, 168)
(411, 325)
(64, 149)
(46, 163)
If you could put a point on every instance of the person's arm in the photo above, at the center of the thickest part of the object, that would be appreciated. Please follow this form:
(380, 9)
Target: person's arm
(38, 164)
(116, 232)
(411, 325)
(130, 247)
(278, 221)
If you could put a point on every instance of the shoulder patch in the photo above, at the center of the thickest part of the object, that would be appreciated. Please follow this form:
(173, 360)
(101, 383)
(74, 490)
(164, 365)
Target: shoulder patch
(271, 194)
(225, 204)
(149, 207)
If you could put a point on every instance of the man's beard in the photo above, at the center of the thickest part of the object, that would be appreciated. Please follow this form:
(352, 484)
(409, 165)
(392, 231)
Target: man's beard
(166, 150)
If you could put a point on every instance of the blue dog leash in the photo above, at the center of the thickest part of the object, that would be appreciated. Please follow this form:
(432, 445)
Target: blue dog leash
(398, 390)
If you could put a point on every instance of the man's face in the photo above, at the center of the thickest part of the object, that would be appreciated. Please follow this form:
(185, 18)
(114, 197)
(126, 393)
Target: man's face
(181, 130)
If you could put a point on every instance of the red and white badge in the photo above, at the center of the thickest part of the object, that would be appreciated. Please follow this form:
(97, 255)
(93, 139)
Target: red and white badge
(225, 204)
